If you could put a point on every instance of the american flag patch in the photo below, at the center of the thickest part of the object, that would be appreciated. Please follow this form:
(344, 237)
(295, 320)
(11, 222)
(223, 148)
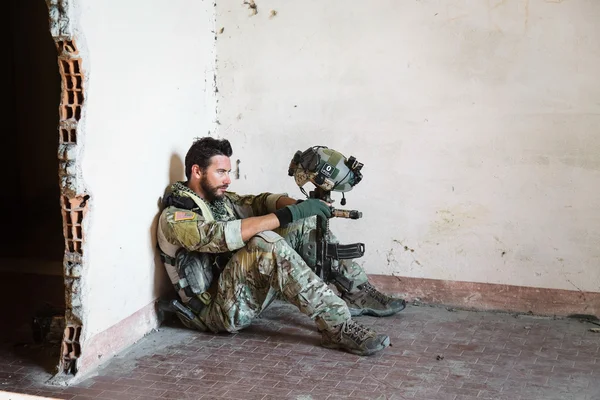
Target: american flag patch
(183, 215)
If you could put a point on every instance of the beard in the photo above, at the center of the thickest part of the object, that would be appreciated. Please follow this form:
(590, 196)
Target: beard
(210, 191)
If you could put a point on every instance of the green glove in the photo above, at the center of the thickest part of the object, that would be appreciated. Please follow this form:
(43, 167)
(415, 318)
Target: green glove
(305, 209)
(308, 208)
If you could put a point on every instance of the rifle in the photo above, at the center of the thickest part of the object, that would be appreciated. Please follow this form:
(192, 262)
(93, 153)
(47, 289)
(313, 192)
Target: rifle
(329, 254)
(329, 170)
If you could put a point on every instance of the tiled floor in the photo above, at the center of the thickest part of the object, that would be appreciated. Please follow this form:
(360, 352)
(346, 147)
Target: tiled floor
(436, 354)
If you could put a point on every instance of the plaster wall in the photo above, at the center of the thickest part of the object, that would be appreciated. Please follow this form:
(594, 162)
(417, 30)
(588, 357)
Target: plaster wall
(477, 122)
(149, 72)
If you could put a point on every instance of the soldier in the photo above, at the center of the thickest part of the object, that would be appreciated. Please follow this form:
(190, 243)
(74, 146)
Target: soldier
(253, 246)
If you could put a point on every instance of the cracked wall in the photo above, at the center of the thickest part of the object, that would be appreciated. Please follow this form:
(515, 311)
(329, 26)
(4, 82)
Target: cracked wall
(127, 115)
(476, 122)
(463, 132)
(73, 199)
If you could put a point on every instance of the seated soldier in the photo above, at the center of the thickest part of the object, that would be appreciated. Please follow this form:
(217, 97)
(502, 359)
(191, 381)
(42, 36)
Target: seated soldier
(258, 247)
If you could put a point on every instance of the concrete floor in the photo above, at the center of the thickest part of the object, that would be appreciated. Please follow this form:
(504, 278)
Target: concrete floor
(435, 354)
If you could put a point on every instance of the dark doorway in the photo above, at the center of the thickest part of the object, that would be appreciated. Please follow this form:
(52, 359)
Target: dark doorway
(32, 250)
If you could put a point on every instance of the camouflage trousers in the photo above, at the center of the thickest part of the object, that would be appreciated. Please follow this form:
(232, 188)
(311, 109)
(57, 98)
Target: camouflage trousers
(277, 264)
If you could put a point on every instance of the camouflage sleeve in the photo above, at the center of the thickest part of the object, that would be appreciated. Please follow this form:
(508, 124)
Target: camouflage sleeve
(192, 231)
(254, 206)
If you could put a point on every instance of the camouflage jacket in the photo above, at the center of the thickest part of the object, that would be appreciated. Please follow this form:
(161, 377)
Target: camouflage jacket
(213, 227)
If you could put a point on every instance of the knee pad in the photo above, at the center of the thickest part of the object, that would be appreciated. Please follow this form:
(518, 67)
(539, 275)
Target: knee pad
(308, 249)
(264, 241)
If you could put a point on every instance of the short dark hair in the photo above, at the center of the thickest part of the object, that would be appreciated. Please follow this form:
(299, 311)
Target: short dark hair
(202, 150)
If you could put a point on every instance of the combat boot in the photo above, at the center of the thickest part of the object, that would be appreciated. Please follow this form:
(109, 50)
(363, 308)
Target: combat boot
(370, 301)
(354, 338)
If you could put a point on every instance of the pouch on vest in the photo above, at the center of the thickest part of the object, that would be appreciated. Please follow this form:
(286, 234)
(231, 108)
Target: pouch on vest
(196, 272)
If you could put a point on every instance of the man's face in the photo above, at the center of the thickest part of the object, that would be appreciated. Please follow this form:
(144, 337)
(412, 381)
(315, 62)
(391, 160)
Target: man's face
(215, 180)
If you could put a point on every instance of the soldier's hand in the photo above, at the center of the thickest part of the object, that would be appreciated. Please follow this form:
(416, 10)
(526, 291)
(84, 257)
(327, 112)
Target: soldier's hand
(308, 208)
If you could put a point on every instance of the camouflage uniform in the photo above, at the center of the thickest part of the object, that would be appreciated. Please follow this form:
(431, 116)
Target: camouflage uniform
(272, 263)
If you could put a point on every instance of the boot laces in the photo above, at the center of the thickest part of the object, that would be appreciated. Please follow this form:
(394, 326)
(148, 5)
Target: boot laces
(356, 331)
(376, 294)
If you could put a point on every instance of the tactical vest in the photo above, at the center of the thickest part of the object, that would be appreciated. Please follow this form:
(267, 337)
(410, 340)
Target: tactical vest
(190, 272)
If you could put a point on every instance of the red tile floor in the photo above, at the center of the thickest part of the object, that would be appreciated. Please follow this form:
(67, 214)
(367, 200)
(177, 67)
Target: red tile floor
(436, 354)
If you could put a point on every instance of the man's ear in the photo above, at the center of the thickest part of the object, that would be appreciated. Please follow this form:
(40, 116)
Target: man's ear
(196, 171)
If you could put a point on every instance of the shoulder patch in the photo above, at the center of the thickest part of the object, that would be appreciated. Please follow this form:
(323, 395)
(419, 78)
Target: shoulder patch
(183, 215)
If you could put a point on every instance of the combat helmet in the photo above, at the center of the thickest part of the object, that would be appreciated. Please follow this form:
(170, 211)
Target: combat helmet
(326, 168)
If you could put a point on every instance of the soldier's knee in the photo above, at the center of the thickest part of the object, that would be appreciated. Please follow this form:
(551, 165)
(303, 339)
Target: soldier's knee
(264, 241)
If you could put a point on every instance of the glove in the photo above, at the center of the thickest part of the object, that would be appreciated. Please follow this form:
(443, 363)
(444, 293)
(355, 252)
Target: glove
(308, 208)
(305, 209)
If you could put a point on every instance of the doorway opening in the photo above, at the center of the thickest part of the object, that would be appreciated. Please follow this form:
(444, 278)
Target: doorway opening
(32, 285)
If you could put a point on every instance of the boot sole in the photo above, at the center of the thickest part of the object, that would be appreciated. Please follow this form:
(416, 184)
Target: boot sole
(385, 343)
(356, 312)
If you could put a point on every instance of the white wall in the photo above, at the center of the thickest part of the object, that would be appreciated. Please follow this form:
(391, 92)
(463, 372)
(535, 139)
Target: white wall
(149, 66)
(477, 121)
